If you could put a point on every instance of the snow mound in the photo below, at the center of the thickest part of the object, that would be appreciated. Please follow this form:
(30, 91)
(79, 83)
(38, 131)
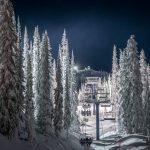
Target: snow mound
(121, 142)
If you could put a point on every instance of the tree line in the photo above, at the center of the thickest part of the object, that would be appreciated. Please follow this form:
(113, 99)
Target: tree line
(37, 93)
(130, 84)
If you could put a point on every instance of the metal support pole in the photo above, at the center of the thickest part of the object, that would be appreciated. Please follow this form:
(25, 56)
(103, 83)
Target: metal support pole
(97, 121)
(94, 111)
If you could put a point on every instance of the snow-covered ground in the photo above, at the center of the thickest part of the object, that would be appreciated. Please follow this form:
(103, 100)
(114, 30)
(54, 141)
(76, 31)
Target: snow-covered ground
(128, 142)
(109, 139)
(42, 143)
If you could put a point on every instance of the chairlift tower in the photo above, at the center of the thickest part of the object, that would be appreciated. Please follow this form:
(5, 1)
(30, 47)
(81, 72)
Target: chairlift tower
(100, 96)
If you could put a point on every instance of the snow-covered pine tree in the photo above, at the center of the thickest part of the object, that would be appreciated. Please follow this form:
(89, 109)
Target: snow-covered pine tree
(21, 116)
(114, 79)
(36, 67)
(134, 99)
(64, 60)
(109, 84)
(31, 51)
(74, 97)
(54, 77)
(144, 77)
(9, 91)
(58, 110)
(72, 82)
(53, 85)
(25, 50)
(29, 107)
(145, 93)
(146, 124)
(14, 21)
(123, 91)
(19, 38)
(67, 98)
(51, 79)
(44, 119)
(148, 71)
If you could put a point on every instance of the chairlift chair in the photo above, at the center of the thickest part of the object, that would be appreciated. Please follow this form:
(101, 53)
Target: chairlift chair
(109, 116)
(105, 105)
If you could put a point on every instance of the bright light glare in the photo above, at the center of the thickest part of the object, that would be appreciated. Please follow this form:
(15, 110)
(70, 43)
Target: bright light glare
(76, 68)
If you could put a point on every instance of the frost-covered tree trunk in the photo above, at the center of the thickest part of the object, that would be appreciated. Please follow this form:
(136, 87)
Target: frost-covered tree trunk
(9, 91)
(58, 110)
(29, 111)
(44, 119)
(114, 80)
(36, 67)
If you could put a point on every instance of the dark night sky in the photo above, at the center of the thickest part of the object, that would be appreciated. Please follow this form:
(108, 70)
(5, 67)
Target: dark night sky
(93, 26)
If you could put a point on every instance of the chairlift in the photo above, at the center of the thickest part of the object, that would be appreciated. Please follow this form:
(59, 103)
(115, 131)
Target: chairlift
(83, 113)
(93, 97)
(86, 140)
(85, 119)
(82, 123)
(109, 116)
(86, 106)
(105, 105)
(89, 112)
(106, 101)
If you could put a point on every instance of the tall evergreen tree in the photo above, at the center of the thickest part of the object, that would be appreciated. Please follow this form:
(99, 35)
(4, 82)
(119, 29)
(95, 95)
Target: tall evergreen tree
(67, 100)
(148, 71)
(31, 51)
(123, 92)
(72, 81)
(65, 61)
(51, 79)
(73, 96)
(29, 111)
(25, 50)
(54, 77)
(144, 77)
(58, 111)
(146, 124)
(134, 99)
(114, 79)
(53, 85)
(145, 93)
(9, 92)
(21, 117)
(36, 67)
(45, 103)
